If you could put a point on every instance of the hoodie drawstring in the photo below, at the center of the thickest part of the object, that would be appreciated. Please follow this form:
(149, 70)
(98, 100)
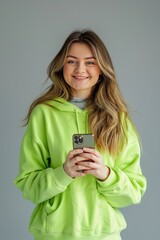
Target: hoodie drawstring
(78, 124)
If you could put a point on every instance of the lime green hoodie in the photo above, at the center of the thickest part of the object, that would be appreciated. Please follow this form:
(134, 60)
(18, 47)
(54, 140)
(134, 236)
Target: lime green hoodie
(80, 208)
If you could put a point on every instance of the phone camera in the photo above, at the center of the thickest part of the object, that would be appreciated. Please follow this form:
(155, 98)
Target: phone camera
(78, 139)
(81, 139)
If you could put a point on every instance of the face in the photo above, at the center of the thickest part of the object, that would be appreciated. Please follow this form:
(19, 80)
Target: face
(81, 71)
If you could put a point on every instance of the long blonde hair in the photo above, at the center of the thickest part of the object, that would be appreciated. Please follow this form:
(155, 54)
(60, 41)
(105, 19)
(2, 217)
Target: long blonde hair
(105, 105)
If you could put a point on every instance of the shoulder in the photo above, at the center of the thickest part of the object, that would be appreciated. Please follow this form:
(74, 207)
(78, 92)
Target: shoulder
(40, 111)
(127, 124)
(38, 116)
(130, 134)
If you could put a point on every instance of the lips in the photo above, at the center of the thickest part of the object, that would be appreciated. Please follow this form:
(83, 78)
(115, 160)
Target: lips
(80, 77)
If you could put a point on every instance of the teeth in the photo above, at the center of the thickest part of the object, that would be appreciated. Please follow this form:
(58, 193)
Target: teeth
(81, 78)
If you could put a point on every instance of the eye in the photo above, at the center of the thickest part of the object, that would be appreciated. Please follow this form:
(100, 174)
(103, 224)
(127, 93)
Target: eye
(71, 62)
(90, 63)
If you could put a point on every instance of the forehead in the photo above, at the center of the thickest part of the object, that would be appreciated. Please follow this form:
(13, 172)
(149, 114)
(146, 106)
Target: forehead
(80, 50)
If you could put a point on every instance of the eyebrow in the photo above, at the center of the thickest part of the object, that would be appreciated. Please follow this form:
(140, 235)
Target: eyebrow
(77, 58)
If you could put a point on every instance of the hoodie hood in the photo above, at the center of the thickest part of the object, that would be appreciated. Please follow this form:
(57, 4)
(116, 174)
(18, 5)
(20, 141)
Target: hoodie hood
(81, 115)
(64, 105)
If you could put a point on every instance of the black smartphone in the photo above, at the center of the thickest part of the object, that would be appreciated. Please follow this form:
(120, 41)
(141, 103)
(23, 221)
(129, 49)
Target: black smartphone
(83, 140)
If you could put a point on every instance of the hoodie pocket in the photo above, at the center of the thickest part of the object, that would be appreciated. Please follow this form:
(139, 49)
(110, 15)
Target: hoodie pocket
(53, 204)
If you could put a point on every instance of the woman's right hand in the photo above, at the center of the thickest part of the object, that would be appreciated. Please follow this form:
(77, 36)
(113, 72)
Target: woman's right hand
(71, 167)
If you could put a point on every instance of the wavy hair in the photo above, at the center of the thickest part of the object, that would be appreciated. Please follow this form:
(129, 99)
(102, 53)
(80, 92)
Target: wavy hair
(105, 104)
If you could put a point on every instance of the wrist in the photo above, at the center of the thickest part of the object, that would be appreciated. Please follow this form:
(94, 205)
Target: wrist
(106, 174)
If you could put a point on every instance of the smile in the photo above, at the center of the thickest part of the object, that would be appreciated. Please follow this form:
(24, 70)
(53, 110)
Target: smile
(80, 77)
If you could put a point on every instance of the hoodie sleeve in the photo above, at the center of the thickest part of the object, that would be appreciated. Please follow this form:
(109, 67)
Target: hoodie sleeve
(36, 180)
(126, 184)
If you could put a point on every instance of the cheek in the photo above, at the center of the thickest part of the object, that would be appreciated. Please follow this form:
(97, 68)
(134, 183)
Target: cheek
(66, 71)
(97, 75)
(96, 72)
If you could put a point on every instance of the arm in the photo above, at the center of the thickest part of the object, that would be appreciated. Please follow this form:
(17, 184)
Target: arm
(125, 184)
(37, 182)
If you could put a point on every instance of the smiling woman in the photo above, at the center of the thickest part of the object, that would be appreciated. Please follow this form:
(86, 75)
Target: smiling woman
(81, 70)
(78, 192)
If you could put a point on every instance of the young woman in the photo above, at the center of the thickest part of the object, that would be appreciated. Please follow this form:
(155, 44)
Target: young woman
(79, 199)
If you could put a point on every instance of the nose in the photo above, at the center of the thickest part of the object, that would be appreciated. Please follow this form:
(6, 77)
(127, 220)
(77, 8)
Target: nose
(80, 68)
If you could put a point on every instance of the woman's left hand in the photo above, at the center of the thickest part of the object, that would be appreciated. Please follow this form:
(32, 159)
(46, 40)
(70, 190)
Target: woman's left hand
(93, 161)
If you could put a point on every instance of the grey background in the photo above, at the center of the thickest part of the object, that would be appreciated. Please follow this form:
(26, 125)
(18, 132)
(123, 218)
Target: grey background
(31, 33)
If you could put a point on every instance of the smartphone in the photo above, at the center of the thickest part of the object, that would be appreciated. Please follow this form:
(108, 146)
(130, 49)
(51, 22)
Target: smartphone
(83, 140)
